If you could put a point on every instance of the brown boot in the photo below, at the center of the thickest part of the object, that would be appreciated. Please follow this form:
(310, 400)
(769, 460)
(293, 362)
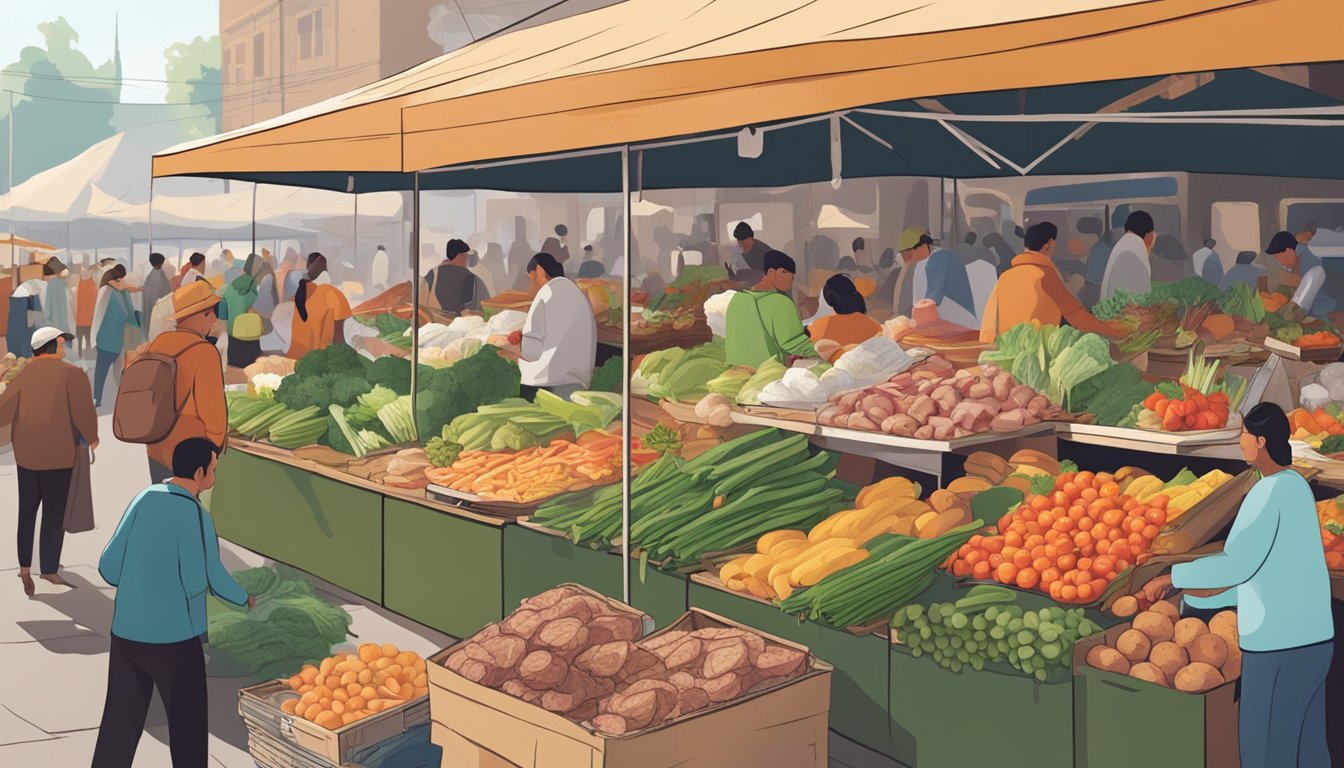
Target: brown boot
(29, 588)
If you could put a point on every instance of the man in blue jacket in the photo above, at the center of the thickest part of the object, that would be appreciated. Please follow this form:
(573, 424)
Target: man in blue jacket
(163, 559)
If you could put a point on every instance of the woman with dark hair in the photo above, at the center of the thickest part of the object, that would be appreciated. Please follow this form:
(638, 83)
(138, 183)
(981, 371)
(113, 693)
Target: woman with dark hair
(320, 312)
(1272, 569)
(849, 325)
(113, 316)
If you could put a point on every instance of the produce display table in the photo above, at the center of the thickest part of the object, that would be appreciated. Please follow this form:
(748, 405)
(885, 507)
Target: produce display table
(385, 544)
(932, 457)
(1218, 444)
(860, 685)
(945, 719)
(297, 516)
(537, 558)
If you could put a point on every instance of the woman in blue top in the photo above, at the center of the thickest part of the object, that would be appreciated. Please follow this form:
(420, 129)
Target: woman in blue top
(112, 316)
(163, 559)
(1272, 569)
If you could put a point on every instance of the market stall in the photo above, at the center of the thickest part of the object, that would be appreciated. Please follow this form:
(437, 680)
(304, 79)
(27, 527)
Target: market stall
(757, 523)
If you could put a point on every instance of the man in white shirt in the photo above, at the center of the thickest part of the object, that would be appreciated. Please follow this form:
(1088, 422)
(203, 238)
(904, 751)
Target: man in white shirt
(559, 339)
(1128, 266)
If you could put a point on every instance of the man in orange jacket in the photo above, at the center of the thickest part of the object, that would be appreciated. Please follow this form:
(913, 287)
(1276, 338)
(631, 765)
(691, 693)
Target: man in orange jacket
(1033, 290)
(200, 376)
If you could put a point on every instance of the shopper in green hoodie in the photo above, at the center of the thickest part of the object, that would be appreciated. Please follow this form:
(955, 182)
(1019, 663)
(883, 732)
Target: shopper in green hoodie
(764, 322)
(237, 299)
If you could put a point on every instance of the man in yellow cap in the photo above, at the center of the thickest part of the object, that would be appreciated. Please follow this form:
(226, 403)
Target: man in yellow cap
(200, 375)
(934, 273)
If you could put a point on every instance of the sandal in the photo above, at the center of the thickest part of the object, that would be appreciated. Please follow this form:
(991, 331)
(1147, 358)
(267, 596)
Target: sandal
(29, 588)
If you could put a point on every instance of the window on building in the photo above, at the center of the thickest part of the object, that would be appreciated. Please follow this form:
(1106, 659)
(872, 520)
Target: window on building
(259, 55)
(239, 62)
(310, 35)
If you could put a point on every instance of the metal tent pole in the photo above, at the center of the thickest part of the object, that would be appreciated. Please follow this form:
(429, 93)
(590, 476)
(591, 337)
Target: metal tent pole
(625, 382)
(415, 293)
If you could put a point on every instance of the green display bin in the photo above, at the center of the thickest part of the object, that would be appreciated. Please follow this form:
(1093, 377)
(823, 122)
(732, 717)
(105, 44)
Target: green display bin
(441, 569)
(1109, 709)
(535, 561)
(664, 595)
(945, 719)
(330, 529)
(860, 681)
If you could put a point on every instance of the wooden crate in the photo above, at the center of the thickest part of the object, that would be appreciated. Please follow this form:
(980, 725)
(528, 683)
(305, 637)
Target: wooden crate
(480, 727)
(309, 744)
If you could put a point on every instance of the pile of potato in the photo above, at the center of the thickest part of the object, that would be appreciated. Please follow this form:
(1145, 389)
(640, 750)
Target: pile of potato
(1186, 654)
(578, 656)
(349, 687)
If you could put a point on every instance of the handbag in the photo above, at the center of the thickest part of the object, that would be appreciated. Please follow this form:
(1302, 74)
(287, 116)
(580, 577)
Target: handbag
(79, 504)
(248, 327)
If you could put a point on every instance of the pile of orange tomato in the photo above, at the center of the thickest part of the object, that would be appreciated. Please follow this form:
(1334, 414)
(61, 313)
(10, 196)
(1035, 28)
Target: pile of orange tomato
(1069, 544)
(1193, 411)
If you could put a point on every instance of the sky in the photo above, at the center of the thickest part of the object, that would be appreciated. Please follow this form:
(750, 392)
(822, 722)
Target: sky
(147, 28)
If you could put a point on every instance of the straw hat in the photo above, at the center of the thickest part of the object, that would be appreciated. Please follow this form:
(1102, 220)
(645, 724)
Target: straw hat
(196, 296)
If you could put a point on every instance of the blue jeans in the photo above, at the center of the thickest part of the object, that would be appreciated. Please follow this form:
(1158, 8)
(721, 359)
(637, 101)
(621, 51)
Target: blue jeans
(100, 370)
(1282, 719)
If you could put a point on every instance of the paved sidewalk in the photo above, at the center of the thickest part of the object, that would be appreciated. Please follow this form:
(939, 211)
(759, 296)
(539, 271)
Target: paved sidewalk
(53, 647)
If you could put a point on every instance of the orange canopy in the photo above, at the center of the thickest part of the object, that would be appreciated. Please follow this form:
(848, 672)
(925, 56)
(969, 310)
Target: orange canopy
(649, 69)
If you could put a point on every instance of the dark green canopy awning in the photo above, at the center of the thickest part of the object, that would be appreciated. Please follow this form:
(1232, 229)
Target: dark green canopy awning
(1227, 122)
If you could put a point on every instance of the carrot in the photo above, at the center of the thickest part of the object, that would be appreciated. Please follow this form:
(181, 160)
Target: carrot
(1161, 408)
(1152, 400)
(1172, 422)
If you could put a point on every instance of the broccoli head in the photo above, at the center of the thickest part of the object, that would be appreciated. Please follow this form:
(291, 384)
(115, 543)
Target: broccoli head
(478, 380)
(392, 372)
(346, 389)
(298, 392)
(337, 358)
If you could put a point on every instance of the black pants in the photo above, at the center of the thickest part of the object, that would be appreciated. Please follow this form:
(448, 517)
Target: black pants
(49, 489)
(243, 353)
(177, 670)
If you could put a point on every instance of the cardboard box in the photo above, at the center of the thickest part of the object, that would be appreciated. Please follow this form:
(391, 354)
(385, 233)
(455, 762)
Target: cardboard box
(1112, 712)
(480, 727)
(259, 706)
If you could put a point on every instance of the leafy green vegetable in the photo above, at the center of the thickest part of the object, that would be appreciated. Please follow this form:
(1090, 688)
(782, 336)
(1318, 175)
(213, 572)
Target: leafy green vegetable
(1333, 444)
(337, 358)
(1243, 300)
(1110, 308)
(730, 382)
(1088, 355)
(289, 627)
(609, 376)
(1111, 394)
(481, 379)
(769, 371)
(684, 378)
(1186, 293)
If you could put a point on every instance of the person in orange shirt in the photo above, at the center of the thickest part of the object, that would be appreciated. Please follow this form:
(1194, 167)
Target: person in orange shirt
(1033, 290)
(200, 376)
(86, 299)
(849, 325)
(320, 312)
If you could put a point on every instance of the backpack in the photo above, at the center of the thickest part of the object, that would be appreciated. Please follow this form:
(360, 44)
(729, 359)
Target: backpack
(147, 408)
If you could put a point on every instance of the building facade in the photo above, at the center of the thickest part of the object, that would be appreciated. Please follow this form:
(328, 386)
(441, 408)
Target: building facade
(280, 55)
